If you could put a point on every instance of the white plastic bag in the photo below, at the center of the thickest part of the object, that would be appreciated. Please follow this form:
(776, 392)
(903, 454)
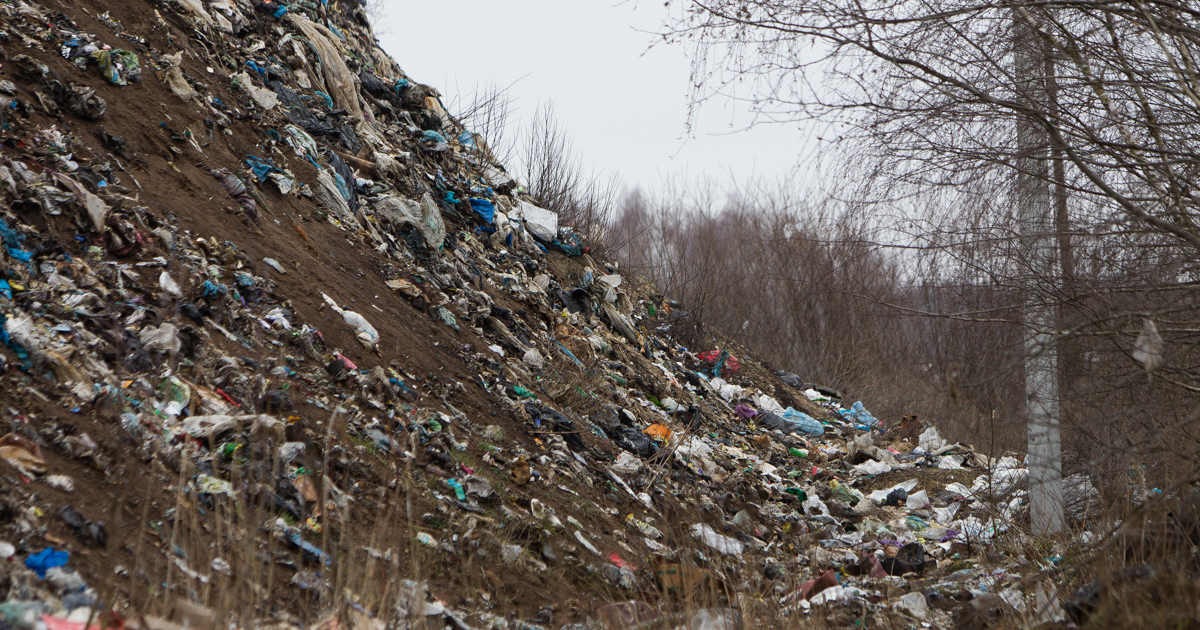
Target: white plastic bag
(164, 338)
(264, 98)
(722, 544)
(540, 222)
(367, 335)
(627, 464)
(169, 286)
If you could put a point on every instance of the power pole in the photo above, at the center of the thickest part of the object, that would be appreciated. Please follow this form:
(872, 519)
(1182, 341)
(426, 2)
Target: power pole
(1035, 212)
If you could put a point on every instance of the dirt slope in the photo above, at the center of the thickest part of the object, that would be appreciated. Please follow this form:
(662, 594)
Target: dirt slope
(191, 417)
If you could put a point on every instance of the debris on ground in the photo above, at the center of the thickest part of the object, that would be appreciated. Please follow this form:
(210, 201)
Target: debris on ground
(282, 314)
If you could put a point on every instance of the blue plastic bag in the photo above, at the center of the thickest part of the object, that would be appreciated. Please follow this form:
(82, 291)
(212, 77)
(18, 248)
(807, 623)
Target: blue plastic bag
(433, 136)
(467, 139)
(805, 424)
(11, 344)
(485, 209)
(211, 290)
(45, 560)
(860, 417)
(570, 243)
(12, 242)
(259, 70)
(261, 168)
(108, 70)
(310, 548)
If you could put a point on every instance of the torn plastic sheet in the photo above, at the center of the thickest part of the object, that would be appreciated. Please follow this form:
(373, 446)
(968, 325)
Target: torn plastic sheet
(424, 216)
(879, 496)
(261, 168)
(11, 344)
(540, 222)
(12, 243)
(485, 209)
(237, 190)
(344, 178)
(302, 143)
(722, 544)
(196, 8)
(262, 97)
(330, 196)
(95, 206)
(338, 78)
(367, 335)
(283, 182)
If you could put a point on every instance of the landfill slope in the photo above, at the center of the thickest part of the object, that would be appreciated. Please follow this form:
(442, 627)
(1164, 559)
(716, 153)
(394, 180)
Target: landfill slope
(283, 344)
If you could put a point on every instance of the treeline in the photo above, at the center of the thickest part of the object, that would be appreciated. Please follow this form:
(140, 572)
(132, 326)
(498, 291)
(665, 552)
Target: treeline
(908, 284)
(919, 311)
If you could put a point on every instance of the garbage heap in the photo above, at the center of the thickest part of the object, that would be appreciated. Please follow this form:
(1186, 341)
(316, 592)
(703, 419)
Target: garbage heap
(283, 344)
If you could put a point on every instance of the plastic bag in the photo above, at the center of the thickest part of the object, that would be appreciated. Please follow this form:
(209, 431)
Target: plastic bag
(13, 241)
(658, 432)
(627, 464)
(634, 441)
(860, 417)
(164, 338)
(173, 77)
(264, 98)
(721, 361)
(179, 396)
(772, 422)
(929, 441)
(570, 243)
(338, 79)
(719, 543)
(45, 560)
(485, 209)
(424, 216)
(804, 423)
(367, 335)
(168, 285)
(108, 70)
(261, 168)
(83, 102)
(540, 222)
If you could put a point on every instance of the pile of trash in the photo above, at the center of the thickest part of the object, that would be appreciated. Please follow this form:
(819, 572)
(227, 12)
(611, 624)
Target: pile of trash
(271, 316)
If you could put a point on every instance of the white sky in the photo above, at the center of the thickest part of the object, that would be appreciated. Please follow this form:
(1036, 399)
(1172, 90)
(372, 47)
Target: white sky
(624, 104)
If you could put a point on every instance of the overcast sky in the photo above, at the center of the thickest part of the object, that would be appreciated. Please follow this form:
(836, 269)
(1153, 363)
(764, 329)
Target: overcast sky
(625, 104)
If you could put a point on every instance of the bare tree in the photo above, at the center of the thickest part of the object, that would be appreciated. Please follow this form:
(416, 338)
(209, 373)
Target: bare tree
(556, 176)
(379, 16)
(487, 113)
(1073, 194)
(933, 85)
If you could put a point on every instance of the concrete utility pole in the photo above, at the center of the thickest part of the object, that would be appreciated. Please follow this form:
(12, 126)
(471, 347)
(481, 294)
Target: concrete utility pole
(1035, 211)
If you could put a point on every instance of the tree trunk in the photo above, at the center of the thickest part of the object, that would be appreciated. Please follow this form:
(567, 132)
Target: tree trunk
(1035, 209)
